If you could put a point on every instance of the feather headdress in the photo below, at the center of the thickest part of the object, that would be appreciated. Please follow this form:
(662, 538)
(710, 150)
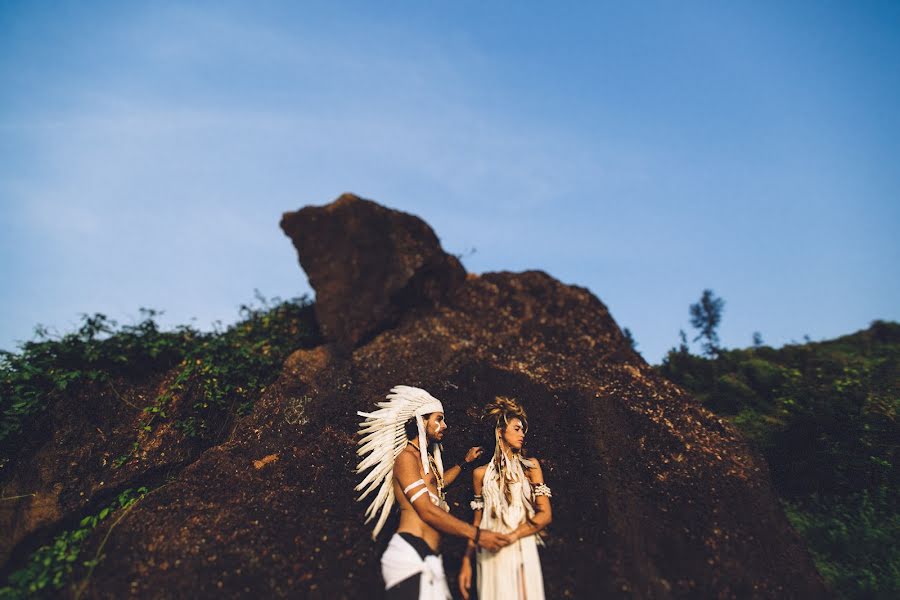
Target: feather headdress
(383, 439)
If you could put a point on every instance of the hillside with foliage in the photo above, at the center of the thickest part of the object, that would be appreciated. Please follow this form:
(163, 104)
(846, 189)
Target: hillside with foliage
(201, 381)
(824, 415)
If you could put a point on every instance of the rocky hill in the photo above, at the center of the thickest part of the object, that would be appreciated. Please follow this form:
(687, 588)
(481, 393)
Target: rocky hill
(654, 496)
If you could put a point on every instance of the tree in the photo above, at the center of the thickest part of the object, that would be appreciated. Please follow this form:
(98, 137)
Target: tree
(683, 346)
(630, 339)
(705, 317)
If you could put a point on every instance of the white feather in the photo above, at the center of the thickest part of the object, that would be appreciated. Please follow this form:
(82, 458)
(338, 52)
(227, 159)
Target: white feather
(382, 439)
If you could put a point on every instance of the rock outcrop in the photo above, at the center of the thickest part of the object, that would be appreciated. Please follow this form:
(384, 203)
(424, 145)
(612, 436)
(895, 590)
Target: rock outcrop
(654, 496)
(368, 265)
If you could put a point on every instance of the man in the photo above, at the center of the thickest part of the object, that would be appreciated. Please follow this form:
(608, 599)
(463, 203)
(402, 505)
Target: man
(402, 440)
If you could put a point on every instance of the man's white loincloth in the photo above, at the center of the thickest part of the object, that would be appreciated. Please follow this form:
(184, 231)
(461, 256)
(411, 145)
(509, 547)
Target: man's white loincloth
(401, 561)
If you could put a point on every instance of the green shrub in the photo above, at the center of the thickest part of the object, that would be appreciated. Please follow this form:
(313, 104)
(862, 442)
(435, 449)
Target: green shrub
(763, 376)
(854, 540)
(47, 367)
(223, 370)
(731, 394)
(824, 415)
(49, 567)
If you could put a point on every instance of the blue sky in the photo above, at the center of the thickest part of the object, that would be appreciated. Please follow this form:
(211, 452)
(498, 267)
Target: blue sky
(645, 151)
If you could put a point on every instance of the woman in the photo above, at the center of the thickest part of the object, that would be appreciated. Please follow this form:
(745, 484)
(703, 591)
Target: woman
(510, 497)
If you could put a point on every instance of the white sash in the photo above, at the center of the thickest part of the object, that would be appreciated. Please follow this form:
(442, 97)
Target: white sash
(401, 561)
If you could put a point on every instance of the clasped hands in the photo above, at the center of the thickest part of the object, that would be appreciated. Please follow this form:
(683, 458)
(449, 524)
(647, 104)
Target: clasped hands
(494, 540)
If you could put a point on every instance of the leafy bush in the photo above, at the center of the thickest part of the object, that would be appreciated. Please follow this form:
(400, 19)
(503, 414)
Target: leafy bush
(50, 566)
(224, 370)
(853, 540)
(46, 367)
(824, 414)
(825, 417)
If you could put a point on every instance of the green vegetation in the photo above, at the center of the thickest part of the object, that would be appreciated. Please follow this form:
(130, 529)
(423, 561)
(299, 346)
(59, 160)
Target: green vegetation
(222, 372)
(50, 566)
(46, 368)
(854, 541)
(705, 318)
(824, 415)
(225, 371)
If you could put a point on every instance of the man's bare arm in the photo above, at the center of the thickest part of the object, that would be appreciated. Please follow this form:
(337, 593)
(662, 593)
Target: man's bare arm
(406, 470)
(453, 472)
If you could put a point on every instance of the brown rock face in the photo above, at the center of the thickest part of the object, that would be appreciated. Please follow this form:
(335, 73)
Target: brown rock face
(368, 265)
(653, 496)
(65, 469)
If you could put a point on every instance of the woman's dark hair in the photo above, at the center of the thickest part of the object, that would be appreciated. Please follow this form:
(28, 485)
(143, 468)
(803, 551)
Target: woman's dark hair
(412, 430)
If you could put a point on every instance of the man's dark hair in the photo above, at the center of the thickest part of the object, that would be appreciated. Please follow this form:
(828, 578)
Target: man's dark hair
(412, 431)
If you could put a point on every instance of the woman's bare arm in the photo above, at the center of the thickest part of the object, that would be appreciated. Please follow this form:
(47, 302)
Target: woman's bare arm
(543, 514)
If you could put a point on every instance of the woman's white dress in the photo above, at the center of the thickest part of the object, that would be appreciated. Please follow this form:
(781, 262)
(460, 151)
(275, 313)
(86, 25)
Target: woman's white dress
(507, 573)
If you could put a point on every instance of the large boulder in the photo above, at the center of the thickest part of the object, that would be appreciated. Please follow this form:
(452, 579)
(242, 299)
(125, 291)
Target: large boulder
(368, 265)
(653, 496)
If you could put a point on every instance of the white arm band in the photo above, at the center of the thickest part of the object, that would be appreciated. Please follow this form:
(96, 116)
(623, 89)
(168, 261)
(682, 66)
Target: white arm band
(413, 484)
(417, 494)
(542, 489)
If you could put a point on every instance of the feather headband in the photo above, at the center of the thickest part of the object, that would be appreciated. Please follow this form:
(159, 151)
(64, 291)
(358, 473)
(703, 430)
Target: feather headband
(383, 439)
